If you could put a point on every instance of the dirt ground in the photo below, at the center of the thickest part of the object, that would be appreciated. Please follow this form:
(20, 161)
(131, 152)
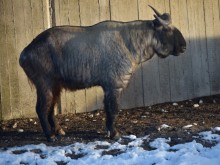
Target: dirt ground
(185, 119)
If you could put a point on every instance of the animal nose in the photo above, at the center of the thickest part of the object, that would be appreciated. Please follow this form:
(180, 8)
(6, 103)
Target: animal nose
(183, 48)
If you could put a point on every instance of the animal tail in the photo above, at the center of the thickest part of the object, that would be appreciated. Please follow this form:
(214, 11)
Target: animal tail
(23, 58)
(25, 63)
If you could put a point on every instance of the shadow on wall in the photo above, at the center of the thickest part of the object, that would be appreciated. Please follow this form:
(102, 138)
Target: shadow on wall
(193, 74)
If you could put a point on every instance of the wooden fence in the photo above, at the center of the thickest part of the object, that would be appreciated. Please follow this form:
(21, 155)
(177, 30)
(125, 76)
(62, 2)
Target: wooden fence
(193, 74)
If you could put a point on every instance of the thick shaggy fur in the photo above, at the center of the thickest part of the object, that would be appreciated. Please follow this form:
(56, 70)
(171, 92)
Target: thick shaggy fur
(105, 55)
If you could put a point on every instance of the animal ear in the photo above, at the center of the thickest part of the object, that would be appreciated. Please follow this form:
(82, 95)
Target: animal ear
(163, 19)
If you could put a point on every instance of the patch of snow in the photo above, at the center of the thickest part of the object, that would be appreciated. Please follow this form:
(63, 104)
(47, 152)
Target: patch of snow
(133, 153)
(216, 129)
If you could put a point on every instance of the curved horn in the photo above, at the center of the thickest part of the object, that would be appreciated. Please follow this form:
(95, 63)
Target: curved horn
(164, 19)
(157, 12)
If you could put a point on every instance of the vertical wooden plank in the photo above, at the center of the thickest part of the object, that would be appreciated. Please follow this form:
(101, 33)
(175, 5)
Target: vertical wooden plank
(18, 36)
(212, 37)
(10, 46)
(124, 10)
(89, 12)
(27, 91)
(89, 15)
(186, 58)
(151, 85)
(46, 14)
(177, 81)
(38, 15)
(198, 47)
(104, 14)
(127, 10)
(216, 20)
(2, 45)
(5, 89)
(104, 10)
(63, 12)
(64, 16)
(163, 64)
(74, 15)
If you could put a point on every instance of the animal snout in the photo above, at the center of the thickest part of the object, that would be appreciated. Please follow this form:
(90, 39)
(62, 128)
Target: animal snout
(183, 49)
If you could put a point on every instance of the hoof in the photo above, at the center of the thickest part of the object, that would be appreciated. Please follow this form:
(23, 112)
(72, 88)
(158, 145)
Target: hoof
(52, 138)
(114, 135)
(61, 132)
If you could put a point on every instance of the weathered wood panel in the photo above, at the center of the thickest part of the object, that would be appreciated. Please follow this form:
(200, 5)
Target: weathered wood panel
(194, 74)
(66, 13)
(17, 30)
(89, 15)
(212, 35)
(150, 68)
(132, 96)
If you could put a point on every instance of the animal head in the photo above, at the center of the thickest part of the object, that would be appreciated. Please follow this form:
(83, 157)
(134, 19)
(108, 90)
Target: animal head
(168, 40)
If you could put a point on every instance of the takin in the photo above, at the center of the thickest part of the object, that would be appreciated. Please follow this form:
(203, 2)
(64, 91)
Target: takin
(105, 54)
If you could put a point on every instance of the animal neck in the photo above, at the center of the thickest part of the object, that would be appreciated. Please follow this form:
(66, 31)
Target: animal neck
(140, 42)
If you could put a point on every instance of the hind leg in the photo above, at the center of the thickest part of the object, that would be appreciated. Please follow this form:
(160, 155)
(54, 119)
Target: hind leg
(55, 127)
(43, 107)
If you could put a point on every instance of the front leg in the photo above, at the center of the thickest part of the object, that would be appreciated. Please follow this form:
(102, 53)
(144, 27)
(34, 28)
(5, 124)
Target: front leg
(111, 107)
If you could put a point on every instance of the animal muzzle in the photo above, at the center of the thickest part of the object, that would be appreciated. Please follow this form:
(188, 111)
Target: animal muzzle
(178, 51)
(182, 49)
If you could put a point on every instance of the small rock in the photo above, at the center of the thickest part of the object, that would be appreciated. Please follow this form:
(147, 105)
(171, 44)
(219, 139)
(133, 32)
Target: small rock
(15, 125)
(67, 120)
(35, 123)
(147, 113)
(91, 115)
(175, 104)
(195, 124)
(163, 110)
(196, 105)
(143, 116)
(30, 120)
(97, 114)
(94, 120)
(134, 121)
(20, 130)
(163, 126)
(200, 101)
(187, 126)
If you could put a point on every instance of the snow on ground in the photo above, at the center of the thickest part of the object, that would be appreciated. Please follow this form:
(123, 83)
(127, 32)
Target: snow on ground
(130, 153)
